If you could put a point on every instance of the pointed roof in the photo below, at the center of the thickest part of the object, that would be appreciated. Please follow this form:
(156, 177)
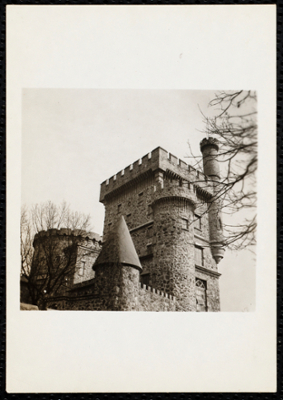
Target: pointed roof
(119, 247)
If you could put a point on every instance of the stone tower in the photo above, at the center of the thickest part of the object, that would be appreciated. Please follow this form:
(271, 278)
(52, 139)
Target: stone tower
(117, 270)
(63, 258)
(209, 148)
(173, 222)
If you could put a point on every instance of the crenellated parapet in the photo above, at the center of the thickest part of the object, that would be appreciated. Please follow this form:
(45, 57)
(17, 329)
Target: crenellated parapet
(211, 142)
(147, 167)
(81, 235)
(158, 292)
(185, 193)
(148, 299)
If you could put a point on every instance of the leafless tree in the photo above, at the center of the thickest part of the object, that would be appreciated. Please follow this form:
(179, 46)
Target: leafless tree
(26, 242)
(48, 268)
(235, 128)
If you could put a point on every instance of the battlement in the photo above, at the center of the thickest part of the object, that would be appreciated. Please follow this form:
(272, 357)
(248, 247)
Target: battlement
(158, 159)
(84, 235)
(158, 292)
(183, 191)
(209, 142)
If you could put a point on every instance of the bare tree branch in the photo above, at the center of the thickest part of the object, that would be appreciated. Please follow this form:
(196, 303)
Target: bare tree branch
(235, 128)
(48, 267)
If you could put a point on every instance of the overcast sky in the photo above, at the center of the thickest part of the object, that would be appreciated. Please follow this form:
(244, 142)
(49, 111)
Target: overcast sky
(72, 140)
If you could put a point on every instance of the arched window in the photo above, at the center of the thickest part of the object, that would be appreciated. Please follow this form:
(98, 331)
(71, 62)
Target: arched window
(201, 300)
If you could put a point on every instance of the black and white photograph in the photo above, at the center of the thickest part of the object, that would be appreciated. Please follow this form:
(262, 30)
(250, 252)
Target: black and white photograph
(141, 199)
(169, 230)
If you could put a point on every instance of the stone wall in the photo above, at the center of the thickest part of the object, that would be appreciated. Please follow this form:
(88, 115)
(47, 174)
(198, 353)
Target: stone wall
(212, 289)
(207, 271)
(88, 251)
(147, 299)
(132, 203)
(118, 284)
(202, 236)
(154, 300)
(79, 303)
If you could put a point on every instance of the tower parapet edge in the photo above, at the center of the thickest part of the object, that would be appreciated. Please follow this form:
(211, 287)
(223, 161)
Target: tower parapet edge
(210, 141)
(185, 192)
(157, 160)
(79, 233)
(209, 148)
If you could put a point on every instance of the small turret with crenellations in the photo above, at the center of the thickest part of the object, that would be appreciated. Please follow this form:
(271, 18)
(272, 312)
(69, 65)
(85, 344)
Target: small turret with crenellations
(210, 147)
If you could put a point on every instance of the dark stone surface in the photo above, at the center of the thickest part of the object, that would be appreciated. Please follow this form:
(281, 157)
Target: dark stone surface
(119, 247)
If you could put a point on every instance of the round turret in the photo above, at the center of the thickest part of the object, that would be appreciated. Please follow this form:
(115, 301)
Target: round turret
(64, 250)
(65, 232)
(186, 193)
(117, 270)
(209, 148)
(173, 251)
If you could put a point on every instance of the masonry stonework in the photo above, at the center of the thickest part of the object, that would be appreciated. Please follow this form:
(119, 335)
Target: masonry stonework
(87, 247)
(172, 214)
(148, 300)
(173, 251)
(162, 239)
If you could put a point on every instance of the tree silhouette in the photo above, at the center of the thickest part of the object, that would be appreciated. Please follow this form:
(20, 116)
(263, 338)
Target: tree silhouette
(49, 267)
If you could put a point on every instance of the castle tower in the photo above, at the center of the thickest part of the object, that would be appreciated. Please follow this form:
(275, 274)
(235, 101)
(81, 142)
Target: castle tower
(209, 148)
(173, 251)
(117, 271)
(165, 202)
(62, 258)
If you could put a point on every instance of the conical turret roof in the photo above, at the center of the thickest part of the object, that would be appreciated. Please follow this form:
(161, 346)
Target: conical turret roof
(119, 247)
